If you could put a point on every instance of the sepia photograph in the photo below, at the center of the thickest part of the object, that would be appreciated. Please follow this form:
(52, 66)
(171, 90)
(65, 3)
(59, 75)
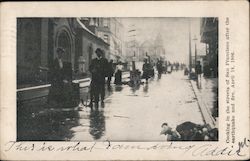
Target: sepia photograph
(123, 79)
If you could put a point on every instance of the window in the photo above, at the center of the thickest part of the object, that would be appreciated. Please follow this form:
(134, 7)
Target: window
(105, 22)
(106, 38)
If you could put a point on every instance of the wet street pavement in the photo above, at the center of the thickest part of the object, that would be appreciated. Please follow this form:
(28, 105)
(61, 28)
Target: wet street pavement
(130, 114)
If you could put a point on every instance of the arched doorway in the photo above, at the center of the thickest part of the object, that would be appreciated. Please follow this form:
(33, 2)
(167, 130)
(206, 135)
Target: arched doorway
(63, 41)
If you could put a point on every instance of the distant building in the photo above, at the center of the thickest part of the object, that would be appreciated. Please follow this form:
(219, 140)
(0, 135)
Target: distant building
(159, 46)
(209, 36)
(132, 50)
(147, 48)
(153, 48)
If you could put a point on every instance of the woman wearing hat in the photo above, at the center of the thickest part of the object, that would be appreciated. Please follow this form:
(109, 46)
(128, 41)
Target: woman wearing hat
(58, 78)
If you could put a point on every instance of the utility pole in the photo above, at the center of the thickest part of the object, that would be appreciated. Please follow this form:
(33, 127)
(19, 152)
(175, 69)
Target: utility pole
(132, 34)
(195, 50)
(190, 52)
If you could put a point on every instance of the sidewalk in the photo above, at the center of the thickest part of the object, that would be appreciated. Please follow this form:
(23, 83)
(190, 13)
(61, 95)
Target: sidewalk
(34, 99)
(207, 97)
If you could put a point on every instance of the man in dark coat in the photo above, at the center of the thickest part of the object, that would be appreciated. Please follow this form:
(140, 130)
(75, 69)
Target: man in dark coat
(98, 70)
(146, 70)
(159, 66)
(198, 73)
(198, 68)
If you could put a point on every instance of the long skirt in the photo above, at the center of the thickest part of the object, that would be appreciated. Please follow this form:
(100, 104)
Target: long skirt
(118, 77)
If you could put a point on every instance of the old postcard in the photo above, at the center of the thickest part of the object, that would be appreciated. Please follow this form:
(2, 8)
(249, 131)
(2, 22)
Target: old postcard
(125, 80)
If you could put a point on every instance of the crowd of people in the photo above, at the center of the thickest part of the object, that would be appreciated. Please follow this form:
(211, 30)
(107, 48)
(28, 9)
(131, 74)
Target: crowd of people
(101, 71)
(161, 66)
(62, 89)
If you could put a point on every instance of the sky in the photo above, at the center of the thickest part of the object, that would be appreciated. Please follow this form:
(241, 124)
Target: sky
(174, 32)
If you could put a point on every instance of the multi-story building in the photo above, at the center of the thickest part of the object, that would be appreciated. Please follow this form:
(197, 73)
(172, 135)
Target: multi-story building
(37, 41)
(209, 36)
(111, 31)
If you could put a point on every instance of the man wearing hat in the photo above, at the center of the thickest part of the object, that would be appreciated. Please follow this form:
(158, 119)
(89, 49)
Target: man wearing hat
(98, 70)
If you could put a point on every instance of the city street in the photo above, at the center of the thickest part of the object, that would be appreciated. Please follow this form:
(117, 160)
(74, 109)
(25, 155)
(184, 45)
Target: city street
(133, 114)
(53, 81)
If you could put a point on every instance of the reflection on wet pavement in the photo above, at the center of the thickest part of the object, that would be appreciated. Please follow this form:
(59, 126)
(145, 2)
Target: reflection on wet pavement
(97, 124)
(145, 89)
(48, 125)
(130, 113)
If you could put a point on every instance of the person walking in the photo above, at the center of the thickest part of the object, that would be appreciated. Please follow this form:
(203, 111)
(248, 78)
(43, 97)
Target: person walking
(198, 72)
(146, 70)
(159, 67)
(110, 72)
(98, 68)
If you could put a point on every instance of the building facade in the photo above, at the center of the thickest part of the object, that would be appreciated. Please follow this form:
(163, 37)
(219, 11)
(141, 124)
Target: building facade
(209, 36)
(153, 48)
(111, 30)
(37, 41)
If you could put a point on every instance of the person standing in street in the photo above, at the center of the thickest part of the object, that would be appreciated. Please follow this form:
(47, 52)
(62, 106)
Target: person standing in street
(198, 72)
(110, 70)
(98, 70)
(118, 74)
(146, 70)
(58, 78)
(159, 66)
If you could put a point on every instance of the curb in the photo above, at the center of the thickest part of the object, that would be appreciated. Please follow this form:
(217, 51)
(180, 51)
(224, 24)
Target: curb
(205, 112)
